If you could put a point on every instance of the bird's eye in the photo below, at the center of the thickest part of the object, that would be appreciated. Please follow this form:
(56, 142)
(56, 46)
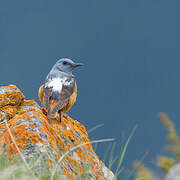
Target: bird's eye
(65, 63)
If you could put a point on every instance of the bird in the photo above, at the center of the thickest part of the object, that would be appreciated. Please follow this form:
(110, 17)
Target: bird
(59, 91)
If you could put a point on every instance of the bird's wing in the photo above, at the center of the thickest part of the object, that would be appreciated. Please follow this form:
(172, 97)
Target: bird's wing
(57, 92)
(71, 100)
(47, 92)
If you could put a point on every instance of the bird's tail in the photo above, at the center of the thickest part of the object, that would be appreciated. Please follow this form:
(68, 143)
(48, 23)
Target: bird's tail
(51, 115)
(52, 109)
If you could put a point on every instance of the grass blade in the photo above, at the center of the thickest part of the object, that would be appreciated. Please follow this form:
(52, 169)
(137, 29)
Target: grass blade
(124, 151)
(94, 128)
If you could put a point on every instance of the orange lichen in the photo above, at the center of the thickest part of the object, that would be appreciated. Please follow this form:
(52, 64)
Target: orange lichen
(32, 126)
(11, 96)
(31, 104)
(31, 129)
(68, 174)
(9, 110)
(21, 134)
(2, 117)
(73, 163)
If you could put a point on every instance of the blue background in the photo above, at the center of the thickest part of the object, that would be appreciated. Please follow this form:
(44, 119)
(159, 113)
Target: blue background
(130, 49)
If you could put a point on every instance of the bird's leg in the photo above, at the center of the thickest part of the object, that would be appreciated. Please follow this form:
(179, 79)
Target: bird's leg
(59, 116)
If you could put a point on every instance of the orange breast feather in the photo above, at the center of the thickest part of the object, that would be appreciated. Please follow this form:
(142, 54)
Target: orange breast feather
(41, 94)
(72, 100)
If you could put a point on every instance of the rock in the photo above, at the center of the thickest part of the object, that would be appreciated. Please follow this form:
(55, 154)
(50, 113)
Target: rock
(37, 136)
(10, 98)
(174, 173)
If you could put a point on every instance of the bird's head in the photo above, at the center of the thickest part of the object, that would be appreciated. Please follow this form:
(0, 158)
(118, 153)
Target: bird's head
(66, 65)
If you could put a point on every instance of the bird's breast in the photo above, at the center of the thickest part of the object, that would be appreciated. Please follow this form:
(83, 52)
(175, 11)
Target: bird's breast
(56, 84)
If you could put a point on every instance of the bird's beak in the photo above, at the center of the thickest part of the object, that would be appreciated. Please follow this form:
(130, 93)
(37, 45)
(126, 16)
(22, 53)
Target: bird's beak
(78, 64)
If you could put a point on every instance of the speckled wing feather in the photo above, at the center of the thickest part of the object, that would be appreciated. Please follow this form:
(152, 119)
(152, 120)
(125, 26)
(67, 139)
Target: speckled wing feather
(57, 91)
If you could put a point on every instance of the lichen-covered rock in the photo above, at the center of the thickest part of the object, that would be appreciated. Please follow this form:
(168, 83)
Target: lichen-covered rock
(34, 133)
(10, 98)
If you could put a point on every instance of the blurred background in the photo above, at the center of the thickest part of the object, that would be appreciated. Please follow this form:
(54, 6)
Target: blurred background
(132, 59)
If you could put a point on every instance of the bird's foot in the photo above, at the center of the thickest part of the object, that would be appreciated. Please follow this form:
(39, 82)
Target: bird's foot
(59, 119)
(59, 116)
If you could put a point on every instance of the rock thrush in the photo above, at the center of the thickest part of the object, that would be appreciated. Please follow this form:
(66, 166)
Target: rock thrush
(59, 91)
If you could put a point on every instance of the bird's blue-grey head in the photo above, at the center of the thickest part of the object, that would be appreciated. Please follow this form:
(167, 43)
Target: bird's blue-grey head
(66, 65)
